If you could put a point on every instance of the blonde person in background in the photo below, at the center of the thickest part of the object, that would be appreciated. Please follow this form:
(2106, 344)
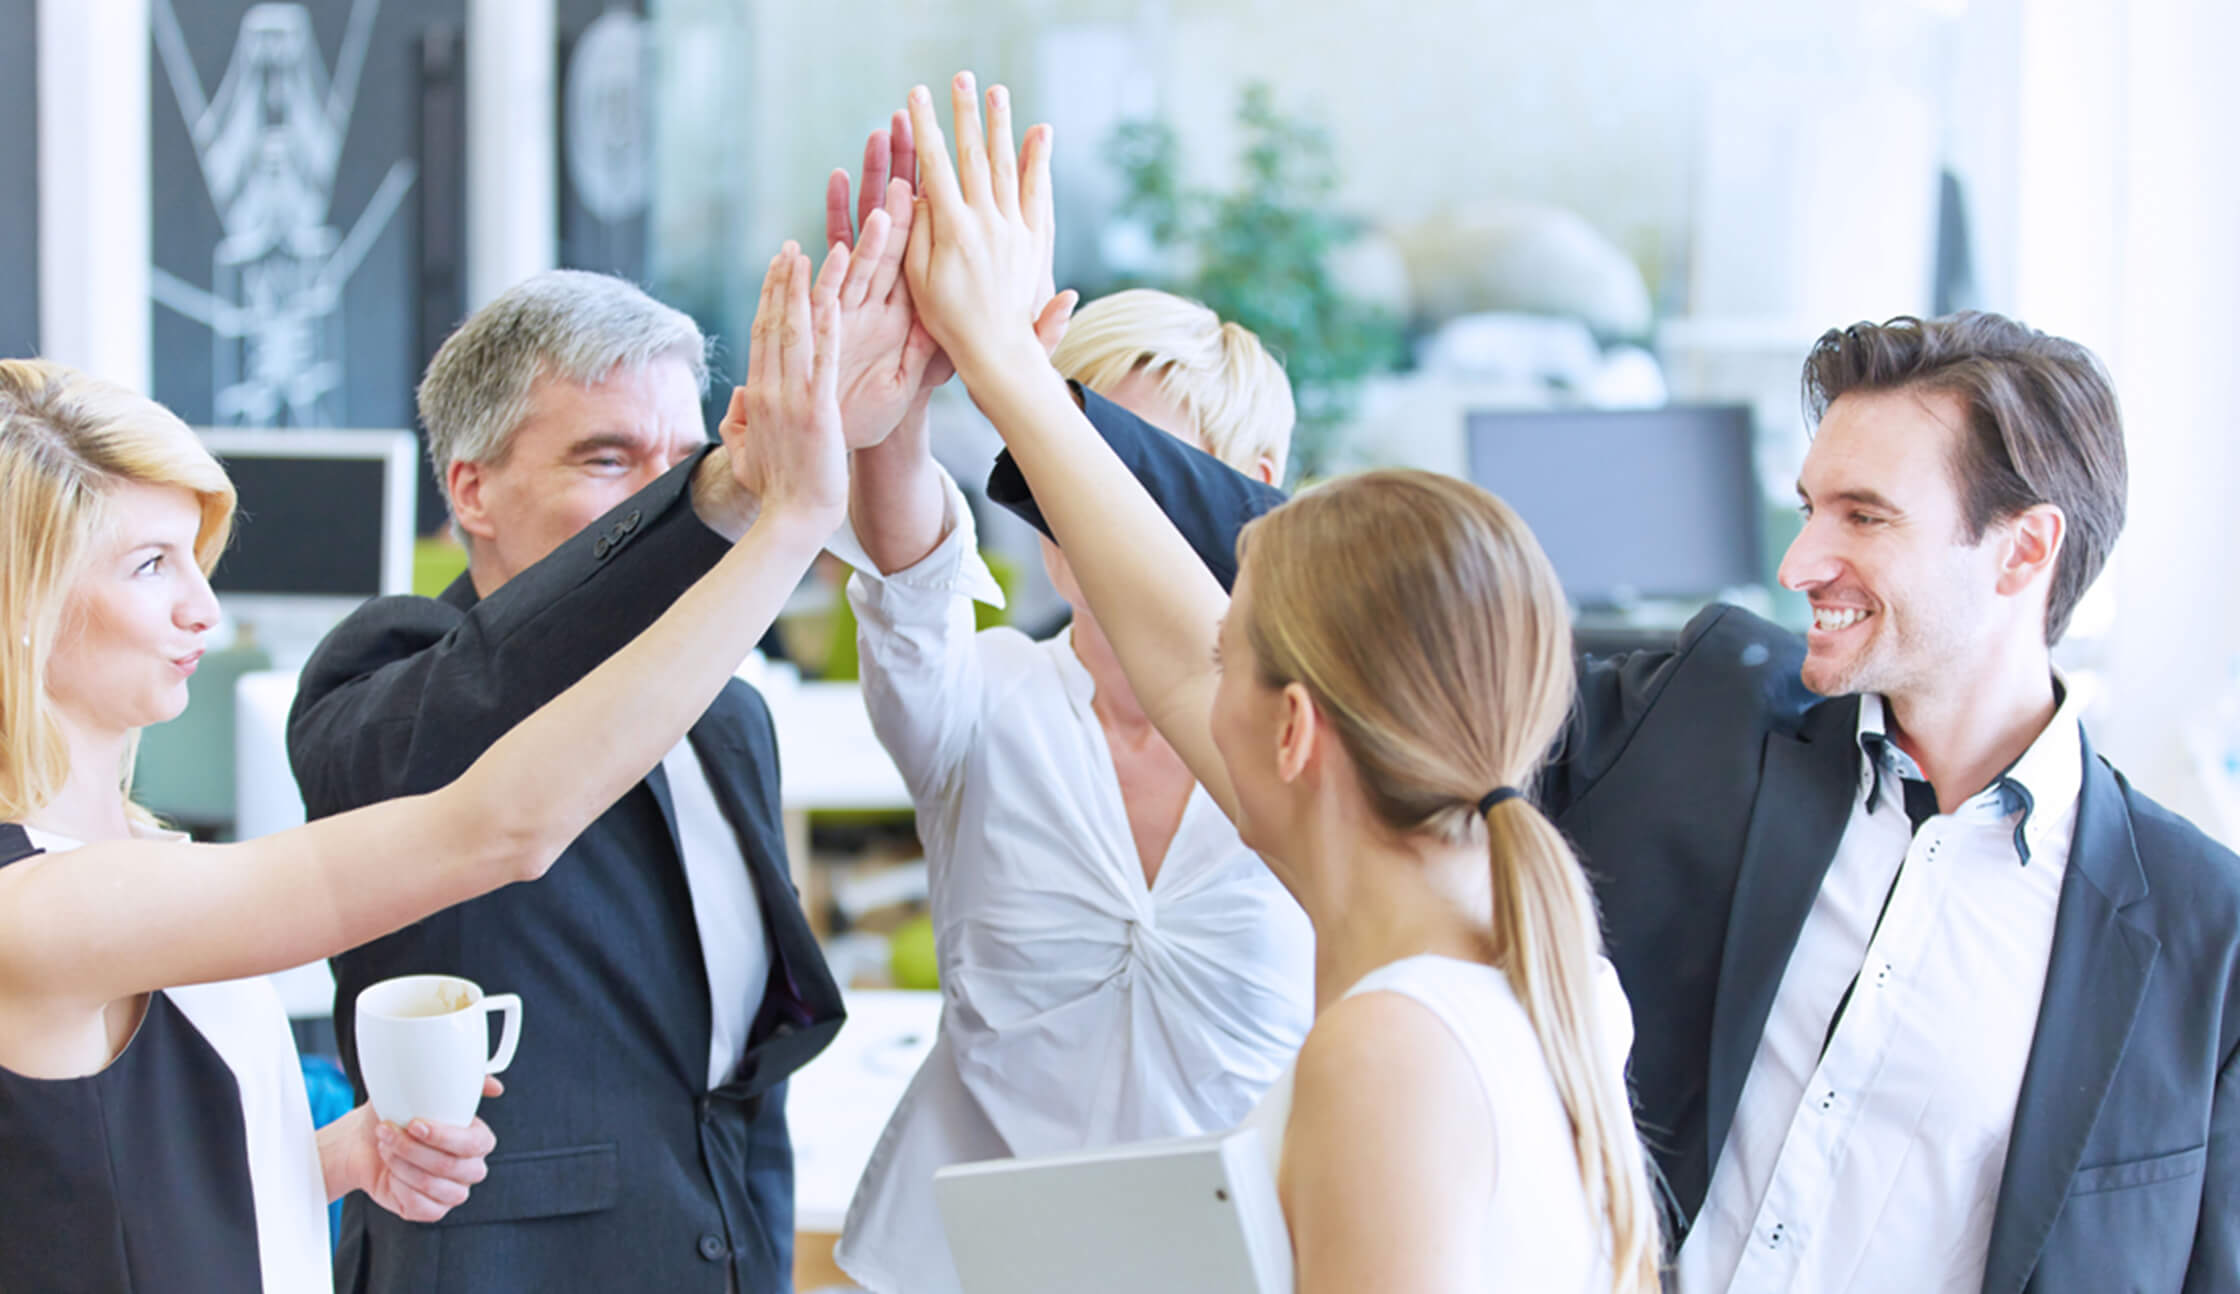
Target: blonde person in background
(1116, 964)
(1368, 710)
(154, 1130)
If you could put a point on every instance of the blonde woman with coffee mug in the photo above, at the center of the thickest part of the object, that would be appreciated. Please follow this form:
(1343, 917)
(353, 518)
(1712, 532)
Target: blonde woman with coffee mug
(152, 1119)
(1394, 665)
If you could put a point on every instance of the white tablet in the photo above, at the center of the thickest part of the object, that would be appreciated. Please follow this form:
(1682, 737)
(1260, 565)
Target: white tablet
(1192, 1216)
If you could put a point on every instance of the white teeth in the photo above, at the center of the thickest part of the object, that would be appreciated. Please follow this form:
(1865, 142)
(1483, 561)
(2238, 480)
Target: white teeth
(1824, 618)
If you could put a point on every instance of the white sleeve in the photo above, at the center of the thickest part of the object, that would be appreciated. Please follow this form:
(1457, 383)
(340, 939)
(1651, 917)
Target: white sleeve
(922, 677)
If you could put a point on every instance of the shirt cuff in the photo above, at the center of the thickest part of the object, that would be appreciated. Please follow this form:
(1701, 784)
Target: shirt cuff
(953, 567)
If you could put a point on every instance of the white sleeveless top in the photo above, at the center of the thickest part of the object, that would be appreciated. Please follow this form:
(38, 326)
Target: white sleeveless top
(1539, 1237)
(244, 1023)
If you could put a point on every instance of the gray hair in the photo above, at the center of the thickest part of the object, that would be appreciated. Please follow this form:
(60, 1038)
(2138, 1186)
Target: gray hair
(569, 324)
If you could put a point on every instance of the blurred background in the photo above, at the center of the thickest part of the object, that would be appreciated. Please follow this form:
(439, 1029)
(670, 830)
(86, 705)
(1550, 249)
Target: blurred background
(1574, 251)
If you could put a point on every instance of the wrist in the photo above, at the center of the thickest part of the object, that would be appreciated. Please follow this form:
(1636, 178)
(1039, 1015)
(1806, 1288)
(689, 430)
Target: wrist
(799, 525)
(340, 1164)
(722, 504)
(1001, 360)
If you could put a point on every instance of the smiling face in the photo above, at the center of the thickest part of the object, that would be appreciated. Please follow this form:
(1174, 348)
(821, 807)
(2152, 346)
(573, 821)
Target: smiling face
(1902, 603)
(579, 451)
(135, 618)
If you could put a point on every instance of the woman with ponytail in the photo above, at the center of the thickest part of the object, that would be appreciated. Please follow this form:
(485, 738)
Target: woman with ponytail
(1368, 710)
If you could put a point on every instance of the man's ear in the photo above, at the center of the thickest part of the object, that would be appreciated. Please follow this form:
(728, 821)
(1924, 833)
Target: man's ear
(1264, 470)
(466, 481)
(1300, 735)
(2033, 545)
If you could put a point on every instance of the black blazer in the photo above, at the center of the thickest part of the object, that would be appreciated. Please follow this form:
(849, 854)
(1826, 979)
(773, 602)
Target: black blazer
(616, 1167)
(1707, 791)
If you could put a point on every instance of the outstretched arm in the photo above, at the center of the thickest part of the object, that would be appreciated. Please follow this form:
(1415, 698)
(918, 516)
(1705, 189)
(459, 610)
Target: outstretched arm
(982, 234)
(111, 920)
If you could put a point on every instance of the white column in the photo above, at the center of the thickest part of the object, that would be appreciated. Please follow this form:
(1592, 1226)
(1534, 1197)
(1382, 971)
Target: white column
(94, 246)
(513, 189)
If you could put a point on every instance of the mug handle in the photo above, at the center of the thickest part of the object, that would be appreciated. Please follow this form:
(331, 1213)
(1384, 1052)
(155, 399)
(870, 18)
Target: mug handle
(511, 1037)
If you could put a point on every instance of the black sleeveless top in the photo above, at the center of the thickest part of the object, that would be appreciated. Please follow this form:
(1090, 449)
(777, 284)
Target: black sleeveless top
(130, 1181)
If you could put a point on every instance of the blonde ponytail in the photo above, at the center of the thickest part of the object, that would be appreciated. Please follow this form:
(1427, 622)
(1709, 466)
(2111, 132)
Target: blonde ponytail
(1547, 942)
(1428, 625)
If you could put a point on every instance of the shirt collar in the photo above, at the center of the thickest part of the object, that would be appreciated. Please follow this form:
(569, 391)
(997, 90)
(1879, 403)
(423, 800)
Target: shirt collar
(2039, 790)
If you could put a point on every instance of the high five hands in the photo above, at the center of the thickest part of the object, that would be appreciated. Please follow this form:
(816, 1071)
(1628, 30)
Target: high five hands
(896, 156)
(916, 278)
(981, 247)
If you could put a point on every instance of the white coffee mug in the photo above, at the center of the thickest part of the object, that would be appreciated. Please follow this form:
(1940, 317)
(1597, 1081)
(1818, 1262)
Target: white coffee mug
(424, 1045)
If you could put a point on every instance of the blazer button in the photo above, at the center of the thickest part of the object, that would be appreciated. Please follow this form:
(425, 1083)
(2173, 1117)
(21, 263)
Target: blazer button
(602, 548)
(630, 522)
(711, 1246)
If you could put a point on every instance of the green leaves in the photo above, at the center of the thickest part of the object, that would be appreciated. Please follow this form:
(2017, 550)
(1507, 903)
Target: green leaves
(1260, 256)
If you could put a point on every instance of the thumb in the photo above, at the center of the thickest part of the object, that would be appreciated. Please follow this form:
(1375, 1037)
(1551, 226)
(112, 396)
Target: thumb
(1057, 315)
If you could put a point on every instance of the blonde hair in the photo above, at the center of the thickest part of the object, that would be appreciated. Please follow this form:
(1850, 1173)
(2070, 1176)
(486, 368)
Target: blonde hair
(1217, 373)
(66, 440)
(1462, 687)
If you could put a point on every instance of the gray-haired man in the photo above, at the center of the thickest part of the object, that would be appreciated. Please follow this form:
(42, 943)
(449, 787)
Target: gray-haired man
(672, 983)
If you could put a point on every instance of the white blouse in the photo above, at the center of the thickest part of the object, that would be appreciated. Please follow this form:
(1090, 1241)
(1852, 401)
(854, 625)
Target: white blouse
(1080, 1006)
(243, 1022)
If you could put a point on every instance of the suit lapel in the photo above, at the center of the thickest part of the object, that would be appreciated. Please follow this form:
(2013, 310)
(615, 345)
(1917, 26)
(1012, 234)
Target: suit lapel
(1805, 792)
(2094, 984)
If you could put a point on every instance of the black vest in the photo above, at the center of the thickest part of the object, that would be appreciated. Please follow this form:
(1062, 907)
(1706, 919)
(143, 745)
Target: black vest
(130, 1181)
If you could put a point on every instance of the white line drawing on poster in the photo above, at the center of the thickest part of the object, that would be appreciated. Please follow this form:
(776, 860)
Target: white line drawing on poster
(268, 143)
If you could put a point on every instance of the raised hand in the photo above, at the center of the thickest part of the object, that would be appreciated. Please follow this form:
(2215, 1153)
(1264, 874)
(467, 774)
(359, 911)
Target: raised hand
(894, 366)
(783, 435)
(980, 253)
(890, 152)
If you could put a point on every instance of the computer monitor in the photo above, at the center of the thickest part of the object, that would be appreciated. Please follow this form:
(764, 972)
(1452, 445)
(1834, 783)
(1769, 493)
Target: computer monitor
(325, 521)
(1630, 504)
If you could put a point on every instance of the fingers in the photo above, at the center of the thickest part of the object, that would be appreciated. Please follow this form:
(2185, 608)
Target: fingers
(972, 146)
(937, 177)
(490, 1084)
(918, 255)
(900, 209)
(1034, 180)
(1035, 202)
(905, 150)
(443, 1148)
(824, 373)
(836, 226)
(793, 317)
(878, 159)
(1003, 164)
(431, 1168)
(1057, 314)
(762, 344)
(864, 262)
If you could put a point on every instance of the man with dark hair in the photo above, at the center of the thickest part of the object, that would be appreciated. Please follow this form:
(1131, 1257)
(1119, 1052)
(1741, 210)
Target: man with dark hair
(1927, 997)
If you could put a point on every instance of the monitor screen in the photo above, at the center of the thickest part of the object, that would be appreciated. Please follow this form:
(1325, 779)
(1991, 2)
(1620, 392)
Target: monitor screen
(324, 515)
(1630, 503)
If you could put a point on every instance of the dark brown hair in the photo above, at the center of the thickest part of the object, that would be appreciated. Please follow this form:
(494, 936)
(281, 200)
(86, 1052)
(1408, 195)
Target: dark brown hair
(2042, 425)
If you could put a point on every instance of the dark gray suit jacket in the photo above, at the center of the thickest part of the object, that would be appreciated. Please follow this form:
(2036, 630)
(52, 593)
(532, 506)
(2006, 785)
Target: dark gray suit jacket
(616, 1167)
(1707, 791)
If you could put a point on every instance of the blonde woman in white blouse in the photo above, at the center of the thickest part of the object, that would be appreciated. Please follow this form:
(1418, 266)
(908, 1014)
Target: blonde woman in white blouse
(1116, 965)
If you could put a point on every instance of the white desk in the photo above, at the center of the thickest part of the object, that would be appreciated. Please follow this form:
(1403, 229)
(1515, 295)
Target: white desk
(840, 1102)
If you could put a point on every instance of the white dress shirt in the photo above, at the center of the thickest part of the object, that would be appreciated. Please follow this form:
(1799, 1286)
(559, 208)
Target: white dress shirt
(733, 944)
(1876, 1166)
(1081, 1006)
